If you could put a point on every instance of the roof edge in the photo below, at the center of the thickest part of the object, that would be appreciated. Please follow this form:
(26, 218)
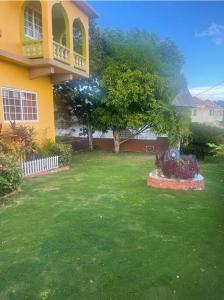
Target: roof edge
(206, 103)
(86, 8)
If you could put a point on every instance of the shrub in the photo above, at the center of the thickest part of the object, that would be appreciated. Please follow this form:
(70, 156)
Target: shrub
(184, 168)
(65, 154)
(18, 141)
(10, 174)
(217, 150)
(201, 135)
(49, 148)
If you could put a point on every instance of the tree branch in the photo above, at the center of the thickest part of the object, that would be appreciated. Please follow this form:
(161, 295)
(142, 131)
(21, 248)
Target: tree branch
(143, 128)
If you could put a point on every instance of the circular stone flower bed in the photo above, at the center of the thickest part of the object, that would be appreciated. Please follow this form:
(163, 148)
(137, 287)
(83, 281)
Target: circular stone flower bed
(176, 172)
(158, 181)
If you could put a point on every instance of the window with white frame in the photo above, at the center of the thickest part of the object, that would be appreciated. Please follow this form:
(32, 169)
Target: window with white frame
(211, 112)
(194, 112)
(19, 105)
(32, 22)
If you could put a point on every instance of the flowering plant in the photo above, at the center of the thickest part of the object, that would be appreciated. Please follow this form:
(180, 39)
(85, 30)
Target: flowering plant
(18, 141)
(185, 167)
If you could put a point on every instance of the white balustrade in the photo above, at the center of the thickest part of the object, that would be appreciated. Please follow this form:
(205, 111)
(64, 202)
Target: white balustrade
(79, 61)
(61, 53)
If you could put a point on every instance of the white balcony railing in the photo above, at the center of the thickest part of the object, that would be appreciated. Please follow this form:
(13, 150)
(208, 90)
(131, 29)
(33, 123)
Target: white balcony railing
(33, 49)
(61, 53)
(79, 61)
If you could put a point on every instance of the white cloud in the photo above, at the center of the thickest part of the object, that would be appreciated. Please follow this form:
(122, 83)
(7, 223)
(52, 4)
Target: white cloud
(217, 93)
(215, 32)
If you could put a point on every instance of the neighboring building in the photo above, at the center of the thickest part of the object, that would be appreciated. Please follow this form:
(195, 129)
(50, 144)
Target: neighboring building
(41, 43)
(183, 100)
(202, 111)
(207, 112)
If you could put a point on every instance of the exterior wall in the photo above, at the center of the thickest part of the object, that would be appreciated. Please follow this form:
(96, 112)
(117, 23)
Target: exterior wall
(17, 77)
(10, 25)
(133, 145)
(203, 116)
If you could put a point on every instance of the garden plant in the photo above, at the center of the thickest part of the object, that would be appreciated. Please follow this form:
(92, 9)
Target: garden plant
(184, 167)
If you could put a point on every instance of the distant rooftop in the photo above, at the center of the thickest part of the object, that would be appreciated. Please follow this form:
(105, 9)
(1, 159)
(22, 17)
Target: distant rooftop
(207, 103)
(183, 99)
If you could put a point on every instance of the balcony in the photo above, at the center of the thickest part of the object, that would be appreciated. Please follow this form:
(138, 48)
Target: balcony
(79, 61)
(58, 49)
(61, 53)
(33, 49)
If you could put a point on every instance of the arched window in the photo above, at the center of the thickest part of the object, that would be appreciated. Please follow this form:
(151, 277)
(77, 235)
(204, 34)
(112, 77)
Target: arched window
(60, 25)
(79, 37)
(32, 20)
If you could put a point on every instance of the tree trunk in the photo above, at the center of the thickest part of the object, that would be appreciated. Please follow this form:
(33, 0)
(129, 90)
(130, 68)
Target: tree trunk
(90, 136)
(178, 144)
(116, 135)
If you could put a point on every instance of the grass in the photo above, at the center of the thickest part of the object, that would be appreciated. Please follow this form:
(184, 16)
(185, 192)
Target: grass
(98, 232)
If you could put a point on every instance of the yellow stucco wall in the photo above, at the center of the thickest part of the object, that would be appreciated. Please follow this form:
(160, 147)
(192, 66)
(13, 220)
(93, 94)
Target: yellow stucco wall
(10, 26)
(17, 77)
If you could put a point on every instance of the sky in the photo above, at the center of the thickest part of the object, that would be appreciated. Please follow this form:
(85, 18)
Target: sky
(196, 27)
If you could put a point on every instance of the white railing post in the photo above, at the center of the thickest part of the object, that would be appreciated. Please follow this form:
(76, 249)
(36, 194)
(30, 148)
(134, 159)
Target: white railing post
(33, 167)
(61, 52)
(79, 61)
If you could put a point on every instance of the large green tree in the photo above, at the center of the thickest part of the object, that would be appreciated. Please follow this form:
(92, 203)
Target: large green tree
(133, 78)
(136, 86)
(79, 98)
(132, 99)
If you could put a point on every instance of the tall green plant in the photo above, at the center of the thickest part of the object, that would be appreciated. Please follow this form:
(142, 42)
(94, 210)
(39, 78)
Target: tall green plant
(217, 150)
(201, 136)
(18, 140)
(10, 173)
(48, 147)
(131, 98)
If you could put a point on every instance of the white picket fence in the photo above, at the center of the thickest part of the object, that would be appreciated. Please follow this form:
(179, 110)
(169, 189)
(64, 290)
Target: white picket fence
(33, 167)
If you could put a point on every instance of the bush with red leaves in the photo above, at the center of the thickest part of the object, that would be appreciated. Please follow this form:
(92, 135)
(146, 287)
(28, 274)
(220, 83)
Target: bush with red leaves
(184, 168)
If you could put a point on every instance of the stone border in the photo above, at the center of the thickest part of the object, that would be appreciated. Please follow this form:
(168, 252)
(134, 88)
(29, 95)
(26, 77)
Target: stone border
(61, 169)
(157, 181)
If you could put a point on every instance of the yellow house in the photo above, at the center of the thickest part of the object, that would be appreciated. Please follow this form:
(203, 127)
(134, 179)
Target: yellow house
(41, 43)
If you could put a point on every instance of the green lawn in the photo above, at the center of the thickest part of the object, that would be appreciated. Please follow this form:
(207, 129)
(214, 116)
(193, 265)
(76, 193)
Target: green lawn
(98, 232)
